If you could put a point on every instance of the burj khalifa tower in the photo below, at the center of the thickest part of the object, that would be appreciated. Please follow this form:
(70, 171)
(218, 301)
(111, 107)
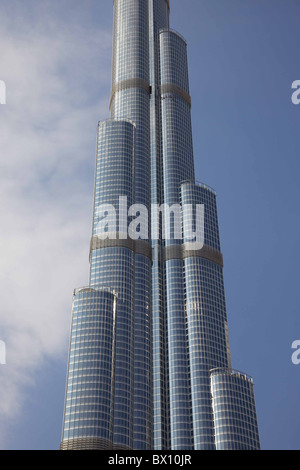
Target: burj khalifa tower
(149, 360)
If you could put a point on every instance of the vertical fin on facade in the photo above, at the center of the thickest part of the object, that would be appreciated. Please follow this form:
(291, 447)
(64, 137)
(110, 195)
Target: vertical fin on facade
(228, 345)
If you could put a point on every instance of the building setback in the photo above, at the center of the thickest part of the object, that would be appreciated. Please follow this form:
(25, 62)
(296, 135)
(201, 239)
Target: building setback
(149, 362)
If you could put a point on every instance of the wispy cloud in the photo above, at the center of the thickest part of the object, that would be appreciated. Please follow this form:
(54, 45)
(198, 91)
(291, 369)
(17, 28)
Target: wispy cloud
(47, 147)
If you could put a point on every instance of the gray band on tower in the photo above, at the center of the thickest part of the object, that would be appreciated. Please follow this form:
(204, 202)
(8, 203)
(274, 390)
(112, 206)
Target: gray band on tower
(129, 83)
(139, 247)
(176, 90)
(87, 443)
(180, 252)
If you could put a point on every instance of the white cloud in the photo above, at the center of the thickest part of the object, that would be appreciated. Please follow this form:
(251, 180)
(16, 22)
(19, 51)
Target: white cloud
(47, 148)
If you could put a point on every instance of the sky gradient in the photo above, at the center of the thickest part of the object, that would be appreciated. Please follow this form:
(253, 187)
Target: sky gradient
(56, 62)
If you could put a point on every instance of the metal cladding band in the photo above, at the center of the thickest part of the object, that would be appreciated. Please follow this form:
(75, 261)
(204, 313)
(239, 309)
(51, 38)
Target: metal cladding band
(174, 89)
(86, 444)
(180, 252)
(139, 247)
(231, 372)
(129, 83)
(80, 290)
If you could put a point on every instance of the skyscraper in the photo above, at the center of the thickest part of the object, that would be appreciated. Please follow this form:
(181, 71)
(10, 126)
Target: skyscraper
(149, 362)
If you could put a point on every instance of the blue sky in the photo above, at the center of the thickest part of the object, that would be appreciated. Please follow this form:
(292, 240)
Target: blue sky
(56, 62)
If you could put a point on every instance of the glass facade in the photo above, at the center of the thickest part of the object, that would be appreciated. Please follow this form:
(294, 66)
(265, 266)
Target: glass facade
(150, 364)
(130, 100)
(88, 422)
(112, 261)
(205, 313)
(234, 410)
(177, 165)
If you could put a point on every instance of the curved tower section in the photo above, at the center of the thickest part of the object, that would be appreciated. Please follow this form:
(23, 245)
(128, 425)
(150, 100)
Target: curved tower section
(234, 410)
(177, 166)
(88, 422)
(130, 99)
(112, 258)
(205, 310)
